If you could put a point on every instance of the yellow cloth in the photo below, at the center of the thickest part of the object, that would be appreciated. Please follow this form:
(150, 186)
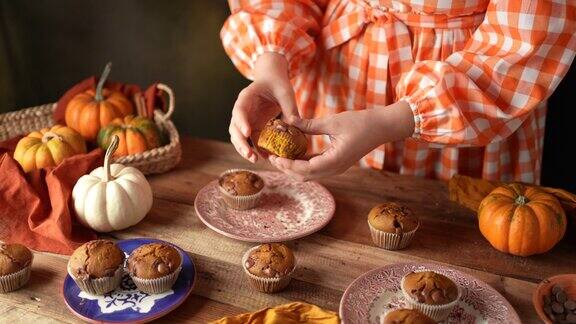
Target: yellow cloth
(293, 313)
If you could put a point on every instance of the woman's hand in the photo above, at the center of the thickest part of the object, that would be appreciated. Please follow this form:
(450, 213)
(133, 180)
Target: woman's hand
(353, 134)
(270, 94)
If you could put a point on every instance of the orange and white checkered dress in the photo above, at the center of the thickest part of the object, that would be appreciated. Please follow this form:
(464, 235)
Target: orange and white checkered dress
(476, 73)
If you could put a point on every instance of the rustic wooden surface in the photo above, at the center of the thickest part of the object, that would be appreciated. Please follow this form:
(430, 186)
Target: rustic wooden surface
(328, 260)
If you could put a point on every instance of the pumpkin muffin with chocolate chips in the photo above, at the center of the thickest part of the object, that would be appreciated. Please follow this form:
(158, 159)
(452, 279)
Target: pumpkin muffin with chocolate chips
(430, 292)
(283, 140)
(269, 266)
(154, 267)
(240, 189)
(97, 266)
(392, 225)
(406, 316)
(15, 266)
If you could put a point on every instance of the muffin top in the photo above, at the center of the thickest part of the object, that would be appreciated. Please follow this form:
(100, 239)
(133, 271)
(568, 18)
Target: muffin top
(406, 316)
(430, 288)
(391, 217)
(241, 183)
(283, 140)
(271, 260)
(96, 259)
(13, 258)
(154, 260)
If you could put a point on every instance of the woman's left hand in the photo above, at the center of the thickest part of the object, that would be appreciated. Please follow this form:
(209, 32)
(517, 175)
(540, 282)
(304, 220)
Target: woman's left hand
(353, 134)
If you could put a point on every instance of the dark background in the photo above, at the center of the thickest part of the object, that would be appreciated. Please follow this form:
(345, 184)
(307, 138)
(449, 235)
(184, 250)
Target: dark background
(46, 46)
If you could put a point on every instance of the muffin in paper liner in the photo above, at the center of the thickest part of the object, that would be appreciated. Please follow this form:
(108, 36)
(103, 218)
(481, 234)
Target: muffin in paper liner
(392, 241)
(435, 312)
(16, 280)
(240, 202)
(99, 286)
(157, 285)
(267, 285)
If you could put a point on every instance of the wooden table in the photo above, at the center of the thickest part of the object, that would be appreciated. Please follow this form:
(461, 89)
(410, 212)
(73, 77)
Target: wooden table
(328, 261)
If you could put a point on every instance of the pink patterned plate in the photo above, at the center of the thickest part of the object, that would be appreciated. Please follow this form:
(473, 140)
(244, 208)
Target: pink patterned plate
(288, 210)
(376, 292)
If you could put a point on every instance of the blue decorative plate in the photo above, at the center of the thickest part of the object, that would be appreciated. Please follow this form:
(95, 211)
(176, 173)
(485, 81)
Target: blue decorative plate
(127, 304)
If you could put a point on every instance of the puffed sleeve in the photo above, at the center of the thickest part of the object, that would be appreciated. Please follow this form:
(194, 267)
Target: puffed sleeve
(281, 26)
(483, 93)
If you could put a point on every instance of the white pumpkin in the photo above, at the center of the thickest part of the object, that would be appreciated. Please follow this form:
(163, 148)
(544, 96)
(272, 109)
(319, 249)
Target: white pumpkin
(112, 197)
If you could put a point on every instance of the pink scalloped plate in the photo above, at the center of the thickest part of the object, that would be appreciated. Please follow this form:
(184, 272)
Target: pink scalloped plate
(288, 210)
(377, 292)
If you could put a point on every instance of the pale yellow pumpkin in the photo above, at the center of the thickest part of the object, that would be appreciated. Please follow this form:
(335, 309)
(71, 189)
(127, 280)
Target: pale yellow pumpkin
(48, 147)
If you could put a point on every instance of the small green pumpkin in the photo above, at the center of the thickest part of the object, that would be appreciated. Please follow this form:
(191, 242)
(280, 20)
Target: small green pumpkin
(135, 134)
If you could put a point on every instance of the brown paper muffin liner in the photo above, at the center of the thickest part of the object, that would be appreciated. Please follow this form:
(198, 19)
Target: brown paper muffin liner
(435, 312)
(157, 285)
(267, 285)
(16, 280)
(392, 241)
(240, 202)
(99, 286)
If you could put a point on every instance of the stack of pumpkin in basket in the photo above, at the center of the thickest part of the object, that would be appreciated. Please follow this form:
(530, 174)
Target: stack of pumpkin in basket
(51, 160)
(95, 116)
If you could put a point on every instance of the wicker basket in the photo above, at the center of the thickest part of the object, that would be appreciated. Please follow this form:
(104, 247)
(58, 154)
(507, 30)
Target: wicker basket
(158, 160)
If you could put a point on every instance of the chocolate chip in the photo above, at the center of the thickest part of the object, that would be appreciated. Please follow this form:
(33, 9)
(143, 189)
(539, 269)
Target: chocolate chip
(556, 289)
(571, 318)
(570, 305)
(557, 308)
(561, 297)
(437, 295)
(280, 127)
(162, 267)
(267, 271)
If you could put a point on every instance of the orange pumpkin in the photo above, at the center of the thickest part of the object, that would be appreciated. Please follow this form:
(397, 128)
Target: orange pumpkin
(135, 134)
(521, 220)
(48, 147)
(91, 110)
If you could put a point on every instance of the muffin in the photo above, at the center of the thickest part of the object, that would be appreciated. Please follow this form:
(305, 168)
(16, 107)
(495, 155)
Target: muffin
(281, 139)
(269, 266)
(432, 293)
(406, 316)
(392, 226)
(241, 189)
(154, 267)
(97, 266)
(15, 266)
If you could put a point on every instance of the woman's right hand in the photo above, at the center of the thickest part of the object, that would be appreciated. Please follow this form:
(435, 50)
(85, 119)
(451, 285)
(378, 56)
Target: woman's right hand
(270, 94)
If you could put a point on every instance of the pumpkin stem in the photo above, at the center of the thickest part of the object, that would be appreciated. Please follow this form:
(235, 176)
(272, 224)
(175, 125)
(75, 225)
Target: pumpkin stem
(50, 135)
(109, 152)
(521, 200)
(100, 86)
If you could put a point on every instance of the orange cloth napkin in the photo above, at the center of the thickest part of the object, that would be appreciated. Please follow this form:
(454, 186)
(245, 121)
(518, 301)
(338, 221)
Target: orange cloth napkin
(36, 208)
(469, 192)
(293, 313)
